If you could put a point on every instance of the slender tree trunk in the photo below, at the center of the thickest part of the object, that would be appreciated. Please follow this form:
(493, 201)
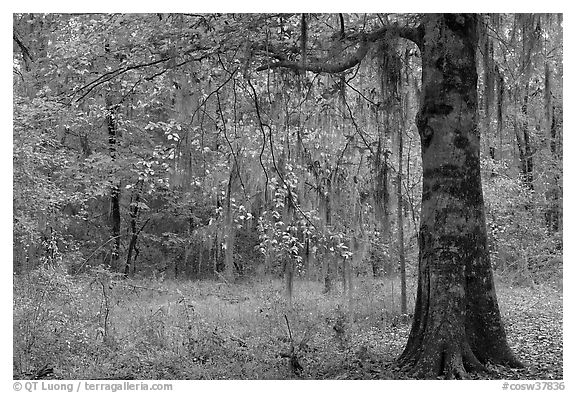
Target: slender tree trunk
(381, 199)
(328, 264)
(528, 169)
(403, 307)
(499, 113)
(344, 276)
(457, 325)
(525, 145)
(355, 260)
(131, 249)
(289, 267)
(230, 233)
(115, 187)
(488, 95)
(552, 214)
(289, 280)
(327, 275)
(134, 210)
(115, 224)
(215, 248)
(553, 194)
(306, 256)
(312, 271)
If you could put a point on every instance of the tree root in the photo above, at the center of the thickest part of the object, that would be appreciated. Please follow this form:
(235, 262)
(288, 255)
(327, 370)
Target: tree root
(450, 361)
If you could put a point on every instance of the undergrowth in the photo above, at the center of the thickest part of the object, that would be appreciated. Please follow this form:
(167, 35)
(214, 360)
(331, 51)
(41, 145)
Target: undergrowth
(99, 326)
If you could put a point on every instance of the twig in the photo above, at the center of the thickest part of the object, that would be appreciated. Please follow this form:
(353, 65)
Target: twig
(221, 277)
(289, 331)
(142, 287)
(93, 253)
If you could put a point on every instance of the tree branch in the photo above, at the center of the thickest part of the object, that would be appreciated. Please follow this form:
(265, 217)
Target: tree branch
(108, 76)
(322, 66)
(414, 34)
(332, 67)
(23, 48)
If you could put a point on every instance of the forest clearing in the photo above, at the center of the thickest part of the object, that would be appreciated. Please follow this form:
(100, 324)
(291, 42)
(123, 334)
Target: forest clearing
(153, 329)
(288, 196)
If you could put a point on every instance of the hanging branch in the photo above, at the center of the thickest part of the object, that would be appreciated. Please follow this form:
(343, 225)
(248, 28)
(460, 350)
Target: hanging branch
(205, 100)
(230, 145)
(360, 93)
(263, 139)
(356, 132)
(97, 249)
(262, 125)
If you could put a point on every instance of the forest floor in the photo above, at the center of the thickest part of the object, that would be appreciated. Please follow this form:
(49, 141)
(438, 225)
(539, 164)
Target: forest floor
(99, 328)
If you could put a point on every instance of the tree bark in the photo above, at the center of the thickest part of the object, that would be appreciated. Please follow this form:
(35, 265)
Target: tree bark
(457, 325)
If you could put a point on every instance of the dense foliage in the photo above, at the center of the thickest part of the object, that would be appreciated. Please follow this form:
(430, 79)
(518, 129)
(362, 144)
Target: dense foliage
(195, 146)
(209, 161)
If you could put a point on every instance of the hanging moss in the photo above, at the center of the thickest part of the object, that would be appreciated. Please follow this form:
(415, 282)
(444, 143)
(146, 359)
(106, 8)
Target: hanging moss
(390, 68)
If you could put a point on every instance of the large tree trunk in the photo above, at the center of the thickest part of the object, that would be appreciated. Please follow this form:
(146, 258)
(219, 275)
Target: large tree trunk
(457, 325)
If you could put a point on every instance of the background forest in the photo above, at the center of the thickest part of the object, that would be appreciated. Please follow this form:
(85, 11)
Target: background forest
(182, 208)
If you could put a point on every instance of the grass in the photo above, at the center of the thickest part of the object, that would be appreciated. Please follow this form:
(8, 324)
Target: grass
(96, 327)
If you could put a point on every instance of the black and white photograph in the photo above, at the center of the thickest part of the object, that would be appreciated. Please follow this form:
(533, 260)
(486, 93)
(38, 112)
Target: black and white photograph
(287, 196)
